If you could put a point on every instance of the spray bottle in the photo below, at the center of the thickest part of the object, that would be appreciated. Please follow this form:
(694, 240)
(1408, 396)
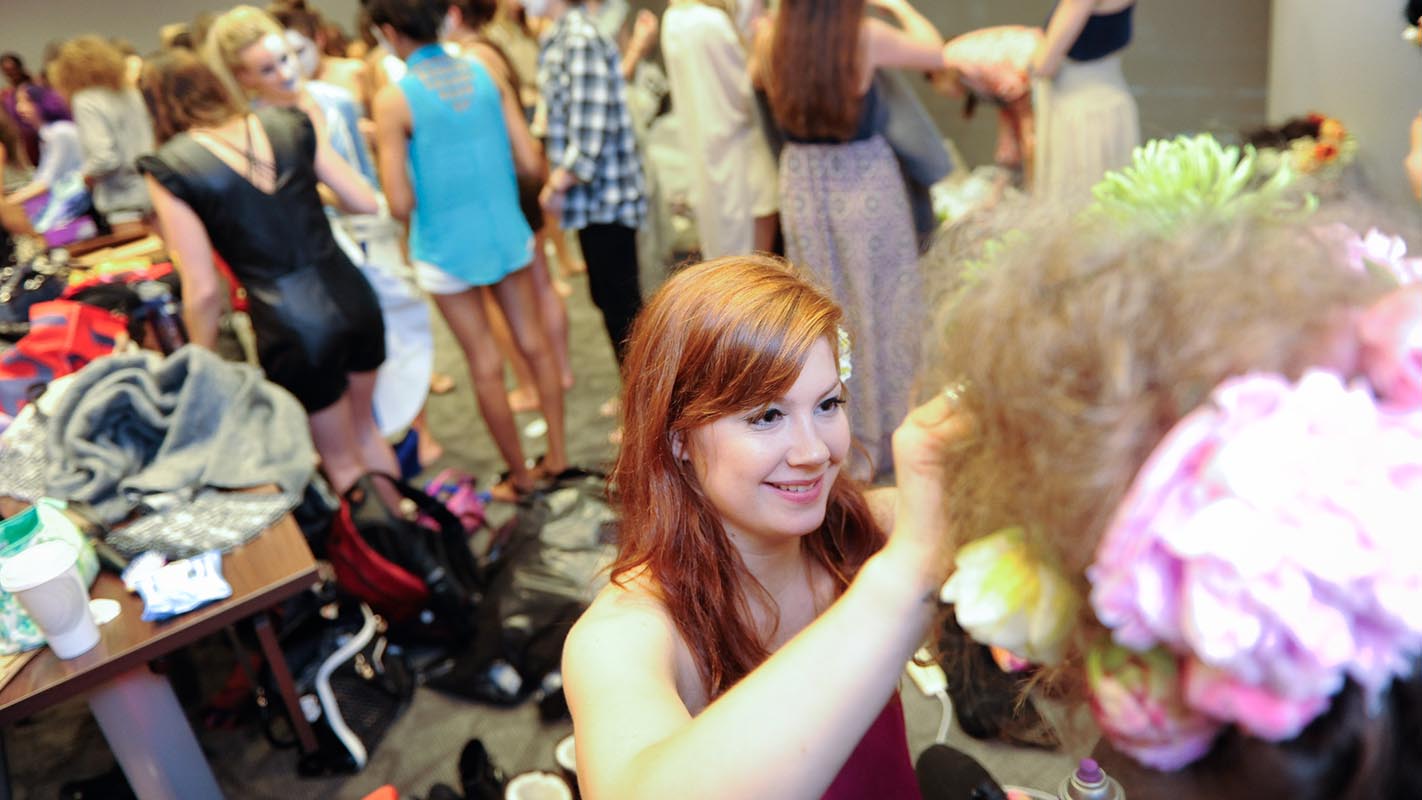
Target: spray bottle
(1090, 782)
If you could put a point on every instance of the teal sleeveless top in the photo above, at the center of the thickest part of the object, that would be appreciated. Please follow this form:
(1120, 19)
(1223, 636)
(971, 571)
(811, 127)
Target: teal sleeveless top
(466, 220)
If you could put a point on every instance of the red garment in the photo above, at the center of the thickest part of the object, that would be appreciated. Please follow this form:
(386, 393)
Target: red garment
(879, 768)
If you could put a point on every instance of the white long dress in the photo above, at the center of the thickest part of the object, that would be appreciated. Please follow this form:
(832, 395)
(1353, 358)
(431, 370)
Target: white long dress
(733, 175)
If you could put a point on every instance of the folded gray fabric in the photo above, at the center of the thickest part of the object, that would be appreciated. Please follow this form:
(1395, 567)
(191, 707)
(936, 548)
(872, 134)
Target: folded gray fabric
(138, 425)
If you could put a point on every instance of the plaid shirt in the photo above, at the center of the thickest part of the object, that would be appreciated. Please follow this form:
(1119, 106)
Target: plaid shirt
(589, 129)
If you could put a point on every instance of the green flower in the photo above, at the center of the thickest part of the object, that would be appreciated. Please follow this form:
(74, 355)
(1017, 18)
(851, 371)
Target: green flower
(1195, 177)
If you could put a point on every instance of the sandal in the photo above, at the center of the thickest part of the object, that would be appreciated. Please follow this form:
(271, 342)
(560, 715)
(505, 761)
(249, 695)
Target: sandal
(506, 491)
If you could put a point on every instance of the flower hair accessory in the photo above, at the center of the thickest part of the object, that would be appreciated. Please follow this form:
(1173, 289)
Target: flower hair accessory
(1005, 596)
(846, 366)
(1268, 551)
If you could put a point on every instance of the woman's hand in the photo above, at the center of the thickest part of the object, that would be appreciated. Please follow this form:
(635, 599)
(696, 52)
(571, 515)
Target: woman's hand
(924, 446)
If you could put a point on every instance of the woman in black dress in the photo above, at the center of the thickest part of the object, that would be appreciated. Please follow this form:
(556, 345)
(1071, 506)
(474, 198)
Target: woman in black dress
(245, 185)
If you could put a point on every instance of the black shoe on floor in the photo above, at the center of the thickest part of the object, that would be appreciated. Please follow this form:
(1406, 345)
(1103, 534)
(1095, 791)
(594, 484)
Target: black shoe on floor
(481, 779)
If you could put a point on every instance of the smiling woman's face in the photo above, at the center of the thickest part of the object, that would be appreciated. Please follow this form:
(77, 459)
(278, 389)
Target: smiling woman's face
(768, 471)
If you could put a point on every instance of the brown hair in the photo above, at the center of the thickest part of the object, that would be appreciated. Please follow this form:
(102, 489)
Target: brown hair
(721, 337)
(87, 61)
(182, 92)
(297, 16)
(1079, 347)
(814, 67)
(10, 144)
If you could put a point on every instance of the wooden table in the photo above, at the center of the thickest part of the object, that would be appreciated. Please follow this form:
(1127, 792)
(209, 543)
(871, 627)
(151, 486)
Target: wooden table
(136, 709)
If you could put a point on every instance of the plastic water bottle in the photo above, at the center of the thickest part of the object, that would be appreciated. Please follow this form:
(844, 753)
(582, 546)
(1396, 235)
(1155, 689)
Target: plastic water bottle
(1090, 782)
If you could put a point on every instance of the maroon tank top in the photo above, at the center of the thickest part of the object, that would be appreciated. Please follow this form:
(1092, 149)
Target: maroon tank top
(879, 768)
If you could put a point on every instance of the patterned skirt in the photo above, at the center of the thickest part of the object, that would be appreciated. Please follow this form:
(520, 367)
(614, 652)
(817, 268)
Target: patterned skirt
(847, 222)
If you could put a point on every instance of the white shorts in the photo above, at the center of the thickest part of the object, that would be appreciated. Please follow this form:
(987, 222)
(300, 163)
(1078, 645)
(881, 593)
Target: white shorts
(434, 280)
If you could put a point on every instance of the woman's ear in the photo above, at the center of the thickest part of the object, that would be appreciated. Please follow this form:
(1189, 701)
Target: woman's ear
(678, 445)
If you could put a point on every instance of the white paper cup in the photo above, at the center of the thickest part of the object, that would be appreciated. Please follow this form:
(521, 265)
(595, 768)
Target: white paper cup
(537, 786)
(45, 579)
(566, 754)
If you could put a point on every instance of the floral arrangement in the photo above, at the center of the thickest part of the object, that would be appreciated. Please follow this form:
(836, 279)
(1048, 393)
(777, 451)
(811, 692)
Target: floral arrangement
(1267, 549)
(1170, 181)
(1265, 554)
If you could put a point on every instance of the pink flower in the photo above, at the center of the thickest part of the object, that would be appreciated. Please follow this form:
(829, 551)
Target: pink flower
(1136, 700)
(1270, 541)
(1390, 332)
(1373, 250)
(1257, 710)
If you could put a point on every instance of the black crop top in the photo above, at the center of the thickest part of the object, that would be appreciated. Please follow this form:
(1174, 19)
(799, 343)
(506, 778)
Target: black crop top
(1103, 35)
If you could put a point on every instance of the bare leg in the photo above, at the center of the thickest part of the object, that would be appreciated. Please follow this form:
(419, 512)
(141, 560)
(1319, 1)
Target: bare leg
(552, 314)
(375, 452)
(567, 265)
(540, 240)
(519, 301)
(429, 450)
(333, 432)
(465, 315)
(765, 229)
(524, 396)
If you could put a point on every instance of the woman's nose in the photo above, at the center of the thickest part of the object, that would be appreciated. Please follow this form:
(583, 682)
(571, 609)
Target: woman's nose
(808, 448)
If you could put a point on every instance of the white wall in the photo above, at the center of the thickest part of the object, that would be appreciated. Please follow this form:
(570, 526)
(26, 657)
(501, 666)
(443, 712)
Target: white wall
(26, 25)
(1348, 60)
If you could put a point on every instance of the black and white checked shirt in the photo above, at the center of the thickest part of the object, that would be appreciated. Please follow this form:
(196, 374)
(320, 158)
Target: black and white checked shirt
(589, 128)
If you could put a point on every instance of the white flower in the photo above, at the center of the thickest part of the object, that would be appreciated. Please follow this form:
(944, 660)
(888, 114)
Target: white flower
(846, 366)
(1005, 596)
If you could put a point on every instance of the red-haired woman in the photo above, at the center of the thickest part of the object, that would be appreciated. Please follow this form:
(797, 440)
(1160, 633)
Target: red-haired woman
(757, 621)
(843, 204)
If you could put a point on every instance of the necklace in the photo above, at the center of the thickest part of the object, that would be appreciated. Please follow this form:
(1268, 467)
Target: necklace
(257, 168)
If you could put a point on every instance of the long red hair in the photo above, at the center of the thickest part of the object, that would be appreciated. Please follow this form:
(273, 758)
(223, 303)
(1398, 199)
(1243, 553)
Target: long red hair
(722, 337)
(814, 66)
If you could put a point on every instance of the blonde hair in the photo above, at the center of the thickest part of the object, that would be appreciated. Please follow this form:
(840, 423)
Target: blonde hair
(85, 62)
(231, 33)
(1079, 347)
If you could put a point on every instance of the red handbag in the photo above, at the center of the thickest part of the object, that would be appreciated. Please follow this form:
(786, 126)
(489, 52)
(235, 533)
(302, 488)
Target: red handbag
(376, 580)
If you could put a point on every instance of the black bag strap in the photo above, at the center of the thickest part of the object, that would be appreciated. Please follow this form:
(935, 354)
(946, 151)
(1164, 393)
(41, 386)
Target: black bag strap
(452, 540)
(441, 559)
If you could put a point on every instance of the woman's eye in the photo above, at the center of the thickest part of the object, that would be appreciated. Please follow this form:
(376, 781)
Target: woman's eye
(832, 403)
(767, 417)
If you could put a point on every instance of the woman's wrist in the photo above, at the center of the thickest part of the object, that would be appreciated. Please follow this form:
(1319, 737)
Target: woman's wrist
(902, 576)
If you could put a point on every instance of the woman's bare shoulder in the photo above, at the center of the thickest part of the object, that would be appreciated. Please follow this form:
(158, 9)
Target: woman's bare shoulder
(625, 623)
(631, 601)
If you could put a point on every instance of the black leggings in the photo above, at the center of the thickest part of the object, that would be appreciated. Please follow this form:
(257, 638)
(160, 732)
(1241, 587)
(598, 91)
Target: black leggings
(611, 255)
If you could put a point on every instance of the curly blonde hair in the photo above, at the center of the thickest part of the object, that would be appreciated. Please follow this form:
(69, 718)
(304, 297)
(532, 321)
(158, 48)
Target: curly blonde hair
(85, 62)
(1081, 346)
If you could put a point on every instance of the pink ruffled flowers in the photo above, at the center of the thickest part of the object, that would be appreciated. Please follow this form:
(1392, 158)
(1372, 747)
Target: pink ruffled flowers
(1135, 698)
(1270, 542)
(1390, 335)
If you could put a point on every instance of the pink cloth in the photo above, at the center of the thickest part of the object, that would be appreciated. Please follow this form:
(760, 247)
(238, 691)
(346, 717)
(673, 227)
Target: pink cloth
(879, 767)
